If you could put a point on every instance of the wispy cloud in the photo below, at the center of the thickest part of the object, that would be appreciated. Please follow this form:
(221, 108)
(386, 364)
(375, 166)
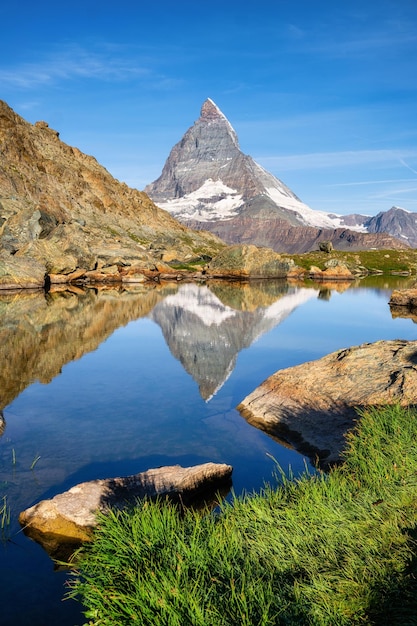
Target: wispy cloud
(408, 166)
(323, 160)
(361, 46)
(69, 63)
(362, 183)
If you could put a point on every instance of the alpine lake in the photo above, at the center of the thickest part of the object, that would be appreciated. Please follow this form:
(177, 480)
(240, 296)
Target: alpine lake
(108, 382)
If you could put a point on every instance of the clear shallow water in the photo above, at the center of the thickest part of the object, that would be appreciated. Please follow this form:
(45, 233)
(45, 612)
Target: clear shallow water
(150, 377)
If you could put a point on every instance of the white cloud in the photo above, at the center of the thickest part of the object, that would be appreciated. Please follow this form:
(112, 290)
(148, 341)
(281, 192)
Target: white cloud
(69, 63)
(323, 160)
(372, 182)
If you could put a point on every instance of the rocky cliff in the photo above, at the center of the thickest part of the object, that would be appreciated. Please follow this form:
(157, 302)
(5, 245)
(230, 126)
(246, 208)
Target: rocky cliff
(64, 217)
(208, 183)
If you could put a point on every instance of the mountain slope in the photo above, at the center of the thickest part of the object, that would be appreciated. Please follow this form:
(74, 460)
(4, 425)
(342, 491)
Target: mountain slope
(206, 176)
(62, 213)
(208, 183)
(398, 222)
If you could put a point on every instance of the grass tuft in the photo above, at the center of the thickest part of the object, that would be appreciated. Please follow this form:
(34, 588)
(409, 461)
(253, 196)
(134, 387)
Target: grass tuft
(4, 520)
(325, 549)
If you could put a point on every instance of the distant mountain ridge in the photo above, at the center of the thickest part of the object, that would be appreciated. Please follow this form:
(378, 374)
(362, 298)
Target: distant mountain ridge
(208, 183)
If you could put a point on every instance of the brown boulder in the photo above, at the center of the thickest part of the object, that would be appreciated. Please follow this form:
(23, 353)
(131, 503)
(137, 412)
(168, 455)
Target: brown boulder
(20, 273)
(65, 521)
(247, 261)
(313, 405)
(404, 297)
(334, 271)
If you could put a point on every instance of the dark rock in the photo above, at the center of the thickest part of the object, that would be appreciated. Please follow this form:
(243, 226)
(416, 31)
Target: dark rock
(404, 298)
(326, 246)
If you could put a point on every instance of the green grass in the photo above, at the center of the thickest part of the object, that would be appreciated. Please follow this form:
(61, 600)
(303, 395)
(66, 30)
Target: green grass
(386, 261)
(327, 549)
(4, 519)
(192, 266)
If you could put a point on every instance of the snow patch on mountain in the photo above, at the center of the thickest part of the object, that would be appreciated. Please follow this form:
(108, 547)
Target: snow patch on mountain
(211, 202)
(312, 217)
(286, 305)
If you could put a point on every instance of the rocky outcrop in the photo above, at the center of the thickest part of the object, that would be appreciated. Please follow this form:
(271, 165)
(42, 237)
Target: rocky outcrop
(334, 271)
(404, 298)
(248, 261)
(64, 217)
(65, 521)
(312, 406)
(21, 273)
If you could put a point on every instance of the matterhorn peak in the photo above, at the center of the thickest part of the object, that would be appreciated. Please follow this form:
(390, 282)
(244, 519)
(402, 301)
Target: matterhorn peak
(210, 110)
(207, 179)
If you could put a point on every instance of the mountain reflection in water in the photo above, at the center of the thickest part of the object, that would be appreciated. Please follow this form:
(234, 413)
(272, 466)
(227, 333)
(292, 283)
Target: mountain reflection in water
(206, 335)
(39, 333)
(205, 327)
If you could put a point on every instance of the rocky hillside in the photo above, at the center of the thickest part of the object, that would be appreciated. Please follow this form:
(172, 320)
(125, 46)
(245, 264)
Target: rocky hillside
(64, 217)
(208, 183)
(398, 222)
(281, 236)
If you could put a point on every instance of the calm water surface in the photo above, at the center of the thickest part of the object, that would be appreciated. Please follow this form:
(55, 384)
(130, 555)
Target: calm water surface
(108, 383)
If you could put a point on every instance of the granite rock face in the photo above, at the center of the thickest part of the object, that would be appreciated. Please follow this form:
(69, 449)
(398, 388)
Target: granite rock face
(209, 184)
(65, 521)
(312, 406)
(64, 215)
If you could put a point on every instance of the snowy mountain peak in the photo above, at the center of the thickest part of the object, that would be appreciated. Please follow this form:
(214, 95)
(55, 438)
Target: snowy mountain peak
(207, 182)
(209, 151)
(210, 110)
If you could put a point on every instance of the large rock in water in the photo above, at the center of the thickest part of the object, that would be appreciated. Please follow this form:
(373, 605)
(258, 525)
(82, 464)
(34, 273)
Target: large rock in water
(313, 405)
(404, 298)
(62, 523)
(248, 261)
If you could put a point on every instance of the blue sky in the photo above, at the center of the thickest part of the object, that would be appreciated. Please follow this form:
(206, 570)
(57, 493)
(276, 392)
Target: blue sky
(322, 93)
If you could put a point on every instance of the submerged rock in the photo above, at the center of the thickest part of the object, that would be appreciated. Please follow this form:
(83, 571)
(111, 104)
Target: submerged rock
(62, 523)
(313, 405)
